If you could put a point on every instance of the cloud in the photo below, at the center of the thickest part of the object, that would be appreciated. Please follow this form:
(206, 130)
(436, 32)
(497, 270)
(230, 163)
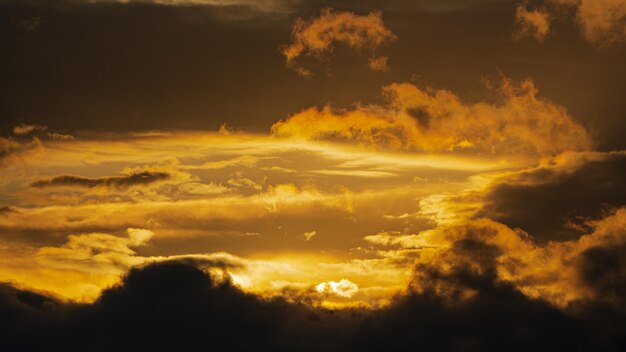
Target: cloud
(342, 288)
(23, 130)
(557, 199)
(378, 63)
(96, 252)
(532, 23)
(309, 235)
(134, 179)
(602, 22)
(163, 180)
(318, 36)
(437, 120)
(458, 304)
(174, 305)
(6, 209)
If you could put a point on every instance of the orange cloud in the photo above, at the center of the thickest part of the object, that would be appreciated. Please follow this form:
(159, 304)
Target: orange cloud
(317, 37)
(431, 120)
(534, 23)
(602, 22)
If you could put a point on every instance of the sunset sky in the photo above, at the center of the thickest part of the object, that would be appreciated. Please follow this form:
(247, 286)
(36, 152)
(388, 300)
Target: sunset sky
(313, 175)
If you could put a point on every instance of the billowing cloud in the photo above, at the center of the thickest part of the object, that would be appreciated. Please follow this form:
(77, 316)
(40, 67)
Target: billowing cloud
(437, 120)
(318, 36)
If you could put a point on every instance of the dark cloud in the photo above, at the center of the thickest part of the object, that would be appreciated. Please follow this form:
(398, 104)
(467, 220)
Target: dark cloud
(458, 304)
(175, 306)
(6, 209)
(603, 270)
(165, 307)
(134, 179)
(554, 203)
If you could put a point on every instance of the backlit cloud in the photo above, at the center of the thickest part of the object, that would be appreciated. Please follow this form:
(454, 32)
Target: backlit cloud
(437, 120)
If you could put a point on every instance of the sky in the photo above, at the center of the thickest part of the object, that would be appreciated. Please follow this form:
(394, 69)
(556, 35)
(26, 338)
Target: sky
(305, 175)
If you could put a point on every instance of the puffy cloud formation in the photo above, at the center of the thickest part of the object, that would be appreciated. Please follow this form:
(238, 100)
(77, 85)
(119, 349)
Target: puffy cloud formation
(554, 272)
(533, 23)
(437, 120)
(602, 22)
(317, 37)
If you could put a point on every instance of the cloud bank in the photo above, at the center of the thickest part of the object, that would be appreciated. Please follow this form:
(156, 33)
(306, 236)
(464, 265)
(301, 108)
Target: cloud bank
(438, 121)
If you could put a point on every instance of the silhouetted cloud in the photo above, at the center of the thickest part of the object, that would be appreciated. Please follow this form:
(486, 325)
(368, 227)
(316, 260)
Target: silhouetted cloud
(175, 305)
(556, 200)
(134, 179)
(168, 306)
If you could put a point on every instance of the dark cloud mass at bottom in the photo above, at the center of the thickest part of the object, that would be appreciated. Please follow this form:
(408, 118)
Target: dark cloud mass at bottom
(176, 306)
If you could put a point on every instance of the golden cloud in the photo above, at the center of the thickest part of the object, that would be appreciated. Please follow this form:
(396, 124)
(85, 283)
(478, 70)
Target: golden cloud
(438, 121)
(602, 22)
(317, 36)
(533, 23)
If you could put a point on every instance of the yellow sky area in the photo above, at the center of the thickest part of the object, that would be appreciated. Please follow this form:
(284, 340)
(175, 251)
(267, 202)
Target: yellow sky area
(304, 212)
(87, 263)
(286, 215)
(356, 246)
